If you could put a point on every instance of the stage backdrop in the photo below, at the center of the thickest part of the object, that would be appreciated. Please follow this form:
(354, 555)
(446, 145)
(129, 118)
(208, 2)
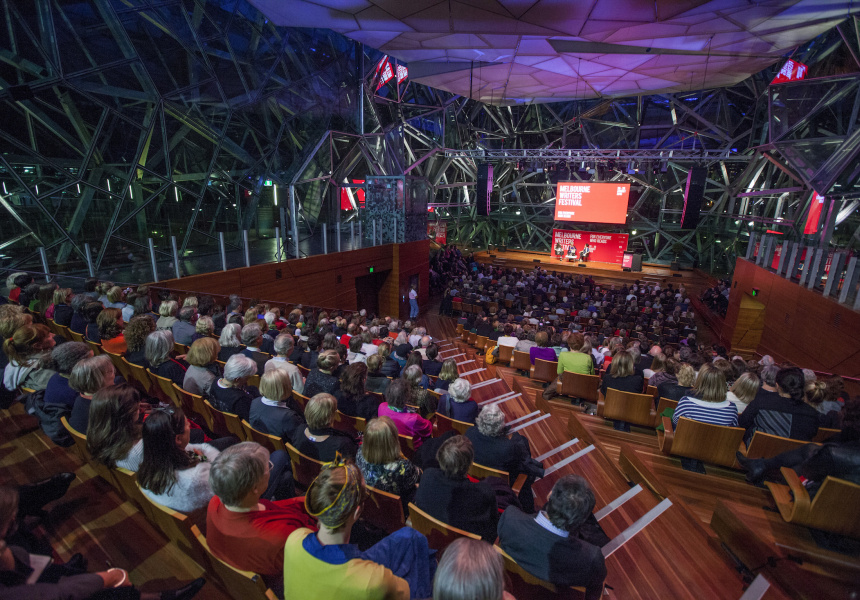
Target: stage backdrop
(605, 247)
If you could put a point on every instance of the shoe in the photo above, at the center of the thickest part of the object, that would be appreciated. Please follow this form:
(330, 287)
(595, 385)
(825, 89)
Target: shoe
(755, 467)
(32, 497)
(184, 593)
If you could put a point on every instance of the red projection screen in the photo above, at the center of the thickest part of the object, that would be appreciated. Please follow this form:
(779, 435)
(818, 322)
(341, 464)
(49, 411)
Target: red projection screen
(589, 202)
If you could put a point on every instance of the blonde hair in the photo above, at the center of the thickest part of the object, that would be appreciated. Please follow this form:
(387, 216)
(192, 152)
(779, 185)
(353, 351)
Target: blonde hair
(61, 295)
(381, 444)
(449, 370)
(686, 375)
(320, 410)
(203, 352)
(190, 301)
(114, 294)
(745, 387)
(168, 309)
(275, 385)
(328, 360)
(204, 325)
(621, 365)
(710, 384)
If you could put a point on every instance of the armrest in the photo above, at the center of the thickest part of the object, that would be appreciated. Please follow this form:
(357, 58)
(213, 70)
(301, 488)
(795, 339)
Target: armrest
(668, 435)
(802, 504)
(519, 483)
(601, 403)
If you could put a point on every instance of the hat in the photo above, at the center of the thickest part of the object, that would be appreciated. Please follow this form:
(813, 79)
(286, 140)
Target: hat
(403, 350)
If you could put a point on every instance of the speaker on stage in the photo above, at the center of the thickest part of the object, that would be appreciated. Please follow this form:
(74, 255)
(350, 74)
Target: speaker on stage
(484, 188)
(637, 263)
(693, 195)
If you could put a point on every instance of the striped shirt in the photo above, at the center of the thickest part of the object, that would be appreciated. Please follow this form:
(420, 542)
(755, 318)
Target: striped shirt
(716, 413)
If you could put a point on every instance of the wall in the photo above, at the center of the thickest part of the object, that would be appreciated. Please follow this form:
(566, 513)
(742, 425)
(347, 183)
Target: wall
(326, 280)
(800, 326)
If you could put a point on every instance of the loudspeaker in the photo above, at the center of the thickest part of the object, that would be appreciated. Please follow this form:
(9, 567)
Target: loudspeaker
(693, 195)
(637, 263)
(537, 260)
(503, 248)
(484, 188)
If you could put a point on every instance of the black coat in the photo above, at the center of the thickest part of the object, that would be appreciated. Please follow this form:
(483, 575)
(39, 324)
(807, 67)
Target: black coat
(459, 503)
(502, 453)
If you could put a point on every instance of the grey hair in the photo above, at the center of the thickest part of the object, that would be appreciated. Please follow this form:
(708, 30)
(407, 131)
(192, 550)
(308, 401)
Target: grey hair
(269, 317)
(158, 346)
(469, 569)
(237, 470)
(768, 375)
(284, 344)
(809, 375)
(251, 333)
(425, 341)
(187, 313)
(230, 336)
(491, 421)
(459, 390)
(80, 299)
(239, 366)
(92, 374)
(66, 356)
(413, 374)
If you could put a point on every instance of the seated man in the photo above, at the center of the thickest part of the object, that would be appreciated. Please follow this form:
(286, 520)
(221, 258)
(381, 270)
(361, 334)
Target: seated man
(242, 529)
(562, 544)
(446, 494)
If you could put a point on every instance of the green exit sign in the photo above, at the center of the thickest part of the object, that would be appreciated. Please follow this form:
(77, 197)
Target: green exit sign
(370, 269)
(268, 183)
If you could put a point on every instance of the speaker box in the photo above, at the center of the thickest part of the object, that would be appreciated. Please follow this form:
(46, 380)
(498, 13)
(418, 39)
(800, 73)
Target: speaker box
(484, 188)
(637, 263)
(693, 195)
(537, 260)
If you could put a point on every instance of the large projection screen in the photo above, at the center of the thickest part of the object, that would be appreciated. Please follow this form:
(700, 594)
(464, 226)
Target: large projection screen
(589, 202)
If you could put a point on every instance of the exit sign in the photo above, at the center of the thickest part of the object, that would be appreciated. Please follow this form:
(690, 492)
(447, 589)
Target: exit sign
(370, 269)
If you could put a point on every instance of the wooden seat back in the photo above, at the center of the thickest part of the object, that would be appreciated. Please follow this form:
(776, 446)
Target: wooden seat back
(304, 371)
(267, 440)
(191, 404)
(506, 354)
(407, 445)
(176, 527)
(581, 386)
(630, 407)
(714, 444)
(481, 472)
(305, 468)
(828, 511)
(237, 583)
(526, 585)
(84, 452)
(155, 389)
(94, 346)
(348, 424)
(544, 370)
(445, 424)
(439, 535)
(825, 433)
(765, 445)
(521, 361)
(383, 509)
(127, 482)
(121, 366)
(665, 403)
(76, 337)
(180, 349)
(139, 375)
(481, 342)
(224, 423)
(167, 388)
(301, 400)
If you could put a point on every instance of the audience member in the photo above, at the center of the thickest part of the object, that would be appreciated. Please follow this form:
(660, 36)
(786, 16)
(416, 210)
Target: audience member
(319, 439)
(231, 393)
(376, 382)
(229, 341)
(167, 318)
(397, 396)
(64, 358)
(184, 329)
(470, 570)
(707, 401)
(275, 411)
(283, 347)
(203, 369)
(786, 415)
(136, 332)
(447, 374)
(114, 431)
(457, 403)
(159, 345)
(322, 379)
(28, 350)
(382, 463)
(352, 397)
(88, 377)
(743, 391)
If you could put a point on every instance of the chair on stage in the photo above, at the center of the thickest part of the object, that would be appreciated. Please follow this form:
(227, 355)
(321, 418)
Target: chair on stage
(637, 409)
(544, 370)
(521, 361)
(766, 445)
(713, 444)
(828, 511)
(577, 385)
(439, 535)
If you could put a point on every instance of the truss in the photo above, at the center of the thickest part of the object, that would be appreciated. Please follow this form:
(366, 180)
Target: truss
(602, 155)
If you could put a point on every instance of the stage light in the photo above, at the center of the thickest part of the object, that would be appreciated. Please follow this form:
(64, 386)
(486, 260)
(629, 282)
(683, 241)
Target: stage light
(751, 223)
(633, 232)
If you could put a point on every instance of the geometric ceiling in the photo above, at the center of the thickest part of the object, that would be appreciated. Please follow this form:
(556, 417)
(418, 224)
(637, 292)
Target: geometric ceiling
(513, 51)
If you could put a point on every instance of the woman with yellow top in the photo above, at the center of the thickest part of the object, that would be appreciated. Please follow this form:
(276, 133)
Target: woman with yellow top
(578, 360)
(323, 565)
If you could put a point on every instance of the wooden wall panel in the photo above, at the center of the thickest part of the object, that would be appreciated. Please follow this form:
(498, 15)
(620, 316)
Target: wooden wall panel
(800, 325)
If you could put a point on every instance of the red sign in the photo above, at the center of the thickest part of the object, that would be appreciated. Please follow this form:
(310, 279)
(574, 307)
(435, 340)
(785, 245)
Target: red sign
(589, 202)
(814, 215)
(402, 73)
(790, 71)
(384, 72)
(438, 231)
(352, 198)
(627, 261)
(598, 247)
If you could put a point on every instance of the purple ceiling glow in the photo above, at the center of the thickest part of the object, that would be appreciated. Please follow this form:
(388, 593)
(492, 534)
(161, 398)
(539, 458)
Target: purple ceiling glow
(548, 50)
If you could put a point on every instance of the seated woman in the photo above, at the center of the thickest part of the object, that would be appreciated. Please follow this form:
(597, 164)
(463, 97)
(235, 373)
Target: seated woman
(470, 569)
(838, 456)
(542, 349)
(231, 393)
(425, 402)
(110, 326)
(416, 359)
(382, 463)
(230, 341)
(28, 350)
(785, 414)
(352, 398)
(685, 378)
(159, 345)
(658, 365)
(707, 401)
(389, 366)
(202, 368)
(668, 373)
(621, 376)
(324, 565)
(275, 411)
(79, 321)
(446, 494)
(114, 429)
(203, 328)
(376, 382)
(397, 396)
(64, 358)
(91, 311)
(88, 377)
(446, 375)
(743, 390)
(136, 332)
(174, 472)
(577, 360)
(457, 403)
(12, 317)
(167, 311)
(319, 440)
(432, 365)
(322, 378)
(62, 313)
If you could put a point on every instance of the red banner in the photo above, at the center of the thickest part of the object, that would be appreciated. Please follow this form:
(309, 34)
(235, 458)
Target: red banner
(384, 72)
(438, 231)
(351, 198)
(814, 216)
(791, 71)
(589, 202)
(598, 247)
